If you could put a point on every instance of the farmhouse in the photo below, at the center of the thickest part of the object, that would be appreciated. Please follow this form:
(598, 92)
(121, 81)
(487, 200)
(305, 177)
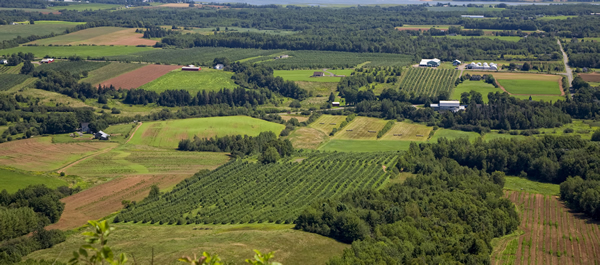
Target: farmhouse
(190, 67)
(316, 74)
(3, 62)
(456, 62)
(47, 60)
(430, 62)
(100, 135)
(448, 105)
(85, 127)
(335, 104)
(219, 66)
(484, 66)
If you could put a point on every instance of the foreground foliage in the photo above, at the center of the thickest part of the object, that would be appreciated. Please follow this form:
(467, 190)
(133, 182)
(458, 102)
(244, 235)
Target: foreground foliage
(246, 192)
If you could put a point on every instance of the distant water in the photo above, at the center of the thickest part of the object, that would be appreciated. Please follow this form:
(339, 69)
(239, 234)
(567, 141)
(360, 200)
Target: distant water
(362, 2)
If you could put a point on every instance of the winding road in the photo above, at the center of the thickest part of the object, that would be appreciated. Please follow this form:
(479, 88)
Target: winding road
(566, 62)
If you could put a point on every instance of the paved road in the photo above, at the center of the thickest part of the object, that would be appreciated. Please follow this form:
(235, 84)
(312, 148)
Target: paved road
(566, 62)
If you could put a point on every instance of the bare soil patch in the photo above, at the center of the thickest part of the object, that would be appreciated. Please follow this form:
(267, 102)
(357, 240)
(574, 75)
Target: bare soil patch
(139, 77)
(298, 117)
(595, 77)
(41, 154)
(122, 37)
(102, 200)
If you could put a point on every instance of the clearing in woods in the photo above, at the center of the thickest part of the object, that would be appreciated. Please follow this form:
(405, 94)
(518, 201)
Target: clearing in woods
(361, 128)
(34, 153)
(231, 242)
(166, 134)
(110, 71)
(408, 132)
(140, 76)
(192, 81)
(99, 36)
(552, 234)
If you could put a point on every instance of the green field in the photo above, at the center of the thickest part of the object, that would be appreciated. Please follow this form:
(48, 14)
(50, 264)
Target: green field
(505, 38)
(239, 30)
(478, 86)
(206, 79)
(530, 87)
(110, 71)
(364, 145)
(453, 134)
(40, 28)
(306, 75)
(86, 6)
(523, 184)
(78, 36)
(72, 67)
(83, 51)
(166, 134)
(198, 56)
(231, 242)
(546, 98)
(11, 80)
(330, 59)
(13, 180)
(555, 17)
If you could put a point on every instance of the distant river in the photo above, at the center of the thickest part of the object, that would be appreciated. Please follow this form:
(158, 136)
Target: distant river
(362, 2)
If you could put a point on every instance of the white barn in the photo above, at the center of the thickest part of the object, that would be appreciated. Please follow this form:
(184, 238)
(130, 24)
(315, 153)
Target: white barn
(435, 62)
(448, 105)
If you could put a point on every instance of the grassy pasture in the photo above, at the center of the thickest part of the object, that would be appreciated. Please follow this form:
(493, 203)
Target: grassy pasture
(48, 98)
(13, 180)
(479, 86)
(86, 6)
(106, 72)
(9, 32)
(453, 134)
(166, 134)
(409, 132)
(117, 135)
(555, 17)
(359, 129)
(306, 75)
(504, 38)
(72, 67)
(83, 51)
(206, 79)
(318, 88)
(326, 123)
(364, 145)
(231, 242)
(307, 138)
(526, 185)
(532, 87)
(210, 31)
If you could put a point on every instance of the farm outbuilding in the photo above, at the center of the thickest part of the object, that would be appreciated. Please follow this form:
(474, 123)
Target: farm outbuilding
(318, 74)
(100, 135)
(456, 62)
(430, 62)
(448, 105)
(47, 60)
(190, 67)
(484, 66)
(219, 66)
(335, 104)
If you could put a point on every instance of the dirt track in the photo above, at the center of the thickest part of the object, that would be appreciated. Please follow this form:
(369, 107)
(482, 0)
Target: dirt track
(140, 76)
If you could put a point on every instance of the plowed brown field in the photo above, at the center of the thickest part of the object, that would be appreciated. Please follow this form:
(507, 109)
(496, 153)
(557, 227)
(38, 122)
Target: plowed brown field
(41, 154)
(102, 200)
(552, 233)
(139, 77)
(590, 77)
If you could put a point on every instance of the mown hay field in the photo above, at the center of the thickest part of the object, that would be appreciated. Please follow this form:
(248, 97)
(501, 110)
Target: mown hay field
(407, 132)
(326, 123)
(167, 134)
(41, 154)
(107, 72)
(192, 81)
(307, 138)
(231, 242)
(361, 128)
(552, 234)
(13, 180)
(40, 28)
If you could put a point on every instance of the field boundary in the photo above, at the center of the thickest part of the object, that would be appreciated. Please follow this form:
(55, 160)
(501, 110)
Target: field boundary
(63, 169)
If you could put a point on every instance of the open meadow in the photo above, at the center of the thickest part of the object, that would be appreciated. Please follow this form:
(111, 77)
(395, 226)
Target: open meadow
(231, 242)
(12, 180)
(326, 123)
(307, 75)
(361, 128)
(72, 67)
(551, 234)
(527, 84)
(167, 134)
(192, 81)
(86, 6)
(99, 36)
(33, 153)
(83, 51)
(318, 88)
(40, 28)
(405, 131)
(307, 138)
(453, 134)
